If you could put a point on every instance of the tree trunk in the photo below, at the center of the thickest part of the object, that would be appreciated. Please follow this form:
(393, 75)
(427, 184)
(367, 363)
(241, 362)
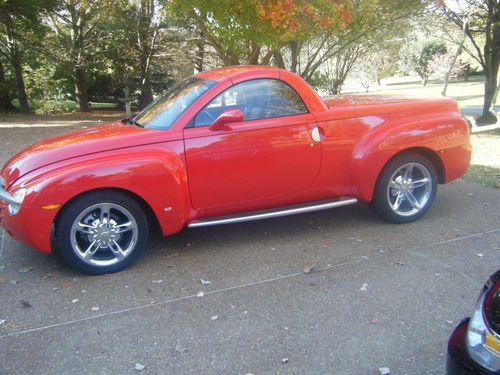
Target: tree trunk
(295, 51)
(15, 60)
(450, 68)
(492, 63)
(200, 55)
(490, 89)
(278, 60)
(253, 58)
(146, 92)
(80, 79)
(19, 80)
(5, 99)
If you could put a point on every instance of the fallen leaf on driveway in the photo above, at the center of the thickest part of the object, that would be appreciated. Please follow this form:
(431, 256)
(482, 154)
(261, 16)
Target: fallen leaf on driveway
(384, 370)
(181, 349)
(204, 282)
(375, 321)
(139, 366)
(364, 287)
(65, 284)
(308, 269)
(2, 280)
(25, 269)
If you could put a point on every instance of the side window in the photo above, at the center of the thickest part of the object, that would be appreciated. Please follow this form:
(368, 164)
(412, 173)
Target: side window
(256, 99)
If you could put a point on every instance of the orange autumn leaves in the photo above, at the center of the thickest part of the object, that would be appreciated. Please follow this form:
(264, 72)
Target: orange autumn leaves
(292, 16)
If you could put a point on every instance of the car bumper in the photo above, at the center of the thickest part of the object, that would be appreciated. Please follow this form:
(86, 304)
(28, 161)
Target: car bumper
(31, 226)
(458, 360)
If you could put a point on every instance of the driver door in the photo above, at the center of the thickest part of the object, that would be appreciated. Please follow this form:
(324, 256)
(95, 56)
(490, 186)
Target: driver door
(268, 158)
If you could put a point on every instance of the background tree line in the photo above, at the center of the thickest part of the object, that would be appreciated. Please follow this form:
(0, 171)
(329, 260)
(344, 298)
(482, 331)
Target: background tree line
(56, 51)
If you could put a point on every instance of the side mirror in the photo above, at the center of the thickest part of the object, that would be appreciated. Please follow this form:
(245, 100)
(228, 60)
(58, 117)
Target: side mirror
(226, 117)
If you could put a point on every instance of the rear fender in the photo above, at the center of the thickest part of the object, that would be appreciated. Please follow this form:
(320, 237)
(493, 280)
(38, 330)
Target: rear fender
(438, 136)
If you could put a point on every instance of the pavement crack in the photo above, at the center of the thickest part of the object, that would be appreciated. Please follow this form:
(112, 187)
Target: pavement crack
(411, 251)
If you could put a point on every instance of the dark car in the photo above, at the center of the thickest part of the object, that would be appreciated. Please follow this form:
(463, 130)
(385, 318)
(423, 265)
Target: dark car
(474, 346)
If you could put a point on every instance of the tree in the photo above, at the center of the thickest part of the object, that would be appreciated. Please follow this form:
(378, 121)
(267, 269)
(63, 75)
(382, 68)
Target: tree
(19, 19)
(6, 87)
(417, 54)
(480, 22)
(252, 32)
(149, 16)
(74, 25)
(367, 23)
(338, 67)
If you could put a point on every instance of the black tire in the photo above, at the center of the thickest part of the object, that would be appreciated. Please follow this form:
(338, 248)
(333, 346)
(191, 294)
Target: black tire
(110, 225)
(385, 199)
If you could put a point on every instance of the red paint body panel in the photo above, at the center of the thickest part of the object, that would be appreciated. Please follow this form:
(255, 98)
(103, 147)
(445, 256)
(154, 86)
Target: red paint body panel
(252, 163)
(186, 173)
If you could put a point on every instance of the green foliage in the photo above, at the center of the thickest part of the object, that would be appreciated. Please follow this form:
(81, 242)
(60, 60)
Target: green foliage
(49, 106)
(416, 55)
(45, 107)
(240, 30)
(42, 82)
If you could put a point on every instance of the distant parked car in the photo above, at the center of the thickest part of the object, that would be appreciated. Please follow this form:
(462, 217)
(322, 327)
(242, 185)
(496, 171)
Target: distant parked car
(474, 346)
(224, 146)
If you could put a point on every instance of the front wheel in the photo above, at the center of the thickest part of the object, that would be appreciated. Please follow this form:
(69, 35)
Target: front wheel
(405, 189)
(102, 232)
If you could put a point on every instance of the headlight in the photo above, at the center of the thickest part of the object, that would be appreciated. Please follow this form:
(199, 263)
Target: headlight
(483, 340)
(19, 197)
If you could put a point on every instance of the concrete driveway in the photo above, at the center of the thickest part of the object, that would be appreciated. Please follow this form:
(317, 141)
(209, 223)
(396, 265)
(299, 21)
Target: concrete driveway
(378, 295)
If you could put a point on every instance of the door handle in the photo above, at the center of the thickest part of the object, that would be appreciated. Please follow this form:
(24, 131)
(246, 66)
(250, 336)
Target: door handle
(315, 134)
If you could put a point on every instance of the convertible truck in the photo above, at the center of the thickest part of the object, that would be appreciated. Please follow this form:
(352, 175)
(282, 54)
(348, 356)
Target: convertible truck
(224, 146)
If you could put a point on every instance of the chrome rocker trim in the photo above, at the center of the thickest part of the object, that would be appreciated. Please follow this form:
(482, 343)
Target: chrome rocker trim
(276, 212)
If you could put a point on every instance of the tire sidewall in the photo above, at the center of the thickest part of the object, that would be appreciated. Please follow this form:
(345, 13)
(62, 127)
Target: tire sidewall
(74, 208)
(380, 202)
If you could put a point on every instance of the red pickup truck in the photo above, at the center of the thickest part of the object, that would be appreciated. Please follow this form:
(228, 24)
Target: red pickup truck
(228, 145)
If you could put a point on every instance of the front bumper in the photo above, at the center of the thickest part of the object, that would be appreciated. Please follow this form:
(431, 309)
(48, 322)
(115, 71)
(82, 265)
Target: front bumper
(5, 196)
(31, 226)
(458, 360)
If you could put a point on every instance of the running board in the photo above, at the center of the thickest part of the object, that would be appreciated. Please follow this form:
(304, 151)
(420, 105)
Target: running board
(275, 212)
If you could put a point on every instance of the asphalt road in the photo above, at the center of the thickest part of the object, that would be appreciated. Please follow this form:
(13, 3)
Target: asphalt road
(379, 295)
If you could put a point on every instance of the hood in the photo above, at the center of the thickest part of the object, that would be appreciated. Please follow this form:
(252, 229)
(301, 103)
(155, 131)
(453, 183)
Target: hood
(99, 138)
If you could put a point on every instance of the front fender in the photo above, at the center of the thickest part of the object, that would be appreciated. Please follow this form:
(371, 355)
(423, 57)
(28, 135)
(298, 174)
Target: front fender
(445, 136)
(155, 173)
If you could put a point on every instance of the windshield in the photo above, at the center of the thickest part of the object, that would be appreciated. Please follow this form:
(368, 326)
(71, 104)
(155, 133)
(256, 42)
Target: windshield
(167, 108)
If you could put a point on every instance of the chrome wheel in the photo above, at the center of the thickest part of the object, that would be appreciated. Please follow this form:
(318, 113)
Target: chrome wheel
(409, 189)
(104, 234)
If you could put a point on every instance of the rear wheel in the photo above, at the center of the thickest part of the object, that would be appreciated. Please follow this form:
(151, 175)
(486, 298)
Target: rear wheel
(102, 232)
(405, 189)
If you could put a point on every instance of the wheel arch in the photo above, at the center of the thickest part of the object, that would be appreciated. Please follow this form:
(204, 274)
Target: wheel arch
(148, 210)
(365, 186)
(428, 153)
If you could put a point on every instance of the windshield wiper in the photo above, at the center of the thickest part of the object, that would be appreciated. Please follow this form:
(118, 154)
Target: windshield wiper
(131, 121)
